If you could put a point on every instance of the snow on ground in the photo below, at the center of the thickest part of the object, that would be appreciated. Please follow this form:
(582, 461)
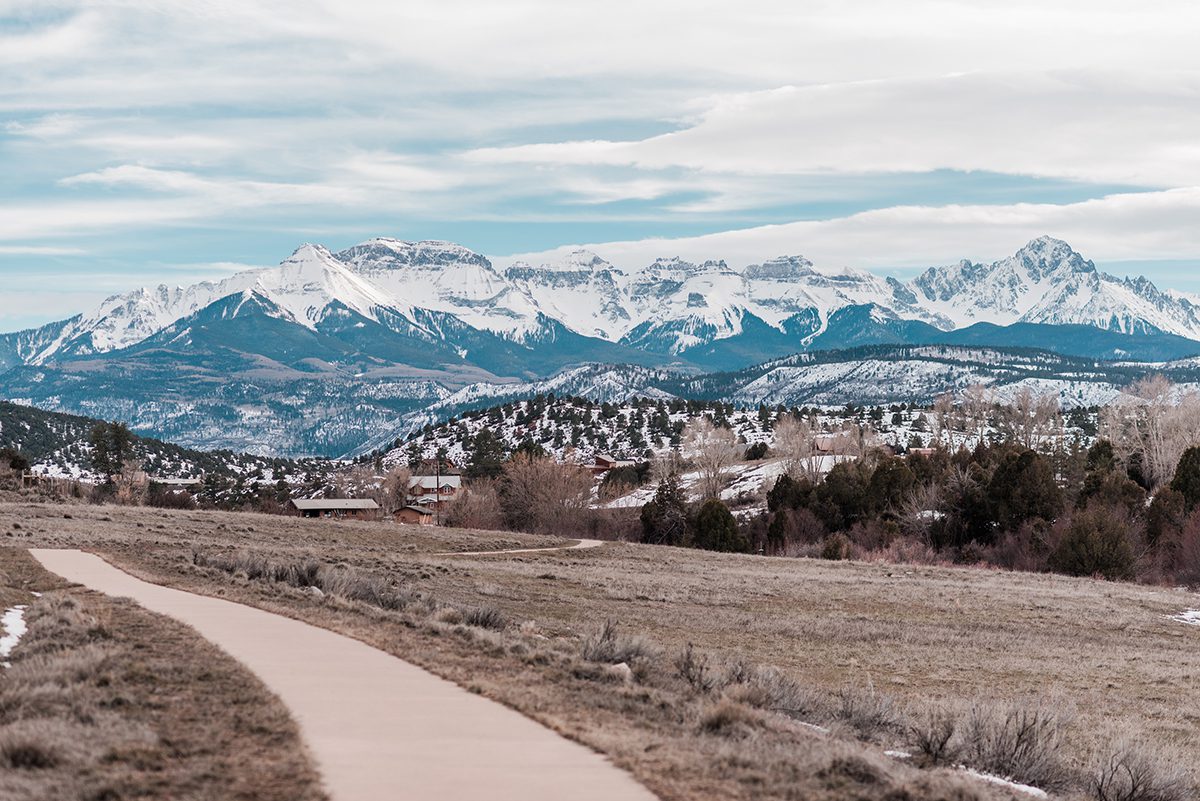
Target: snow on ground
(1190, 617)
(13, 625)
(1035, 792)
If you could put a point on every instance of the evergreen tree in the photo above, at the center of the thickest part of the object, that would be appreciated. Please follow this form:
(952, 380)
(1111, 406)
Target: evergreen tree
(487, 455)
(1187, 478)
(715, 529)
(112, 446)
(1023, 488)
(665, 516)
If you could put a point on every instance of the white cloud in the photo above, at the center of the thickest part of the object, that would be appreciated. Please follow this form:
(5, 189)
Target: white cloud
(1093, 126)
(40, 250)
(1147, 226)
(127, 115)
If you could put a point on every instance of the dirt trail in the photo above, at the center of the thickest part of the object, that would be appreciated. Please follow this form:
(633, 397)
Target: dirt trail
(579, 546)
(379, 728)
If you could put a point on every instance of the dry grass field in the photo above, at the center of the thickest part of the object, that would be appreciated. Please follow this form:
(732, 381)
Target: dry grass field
(800, 676)
(106, 701)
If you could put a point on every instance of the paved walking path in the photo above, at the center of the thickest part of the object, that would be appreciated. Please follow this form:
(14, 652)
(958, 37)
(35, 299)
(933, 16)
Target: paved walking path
(379, 728)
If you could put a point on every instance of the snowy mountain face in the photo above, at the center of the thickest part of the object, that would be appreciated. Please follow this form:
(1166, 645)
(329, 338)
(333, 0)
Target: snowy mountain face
(1048, 282)
(711, 313)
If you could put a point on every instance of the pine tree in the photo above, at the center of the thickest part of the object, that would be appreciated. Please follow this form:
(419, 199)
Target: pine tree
(716, 530)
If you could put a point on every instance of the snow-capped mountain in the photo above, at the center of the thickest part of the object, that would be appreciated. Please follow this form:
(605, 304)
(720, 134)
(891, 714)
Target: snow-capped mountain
(582, 290)
(303, 286)
(711, 314)
(444, 277)
(1048, 282)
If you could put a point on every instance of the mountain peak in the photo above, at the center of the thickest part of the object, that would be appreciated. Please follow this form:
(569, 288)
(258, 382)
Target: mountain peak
(780, 268)
(1045, 255)
(398, 253)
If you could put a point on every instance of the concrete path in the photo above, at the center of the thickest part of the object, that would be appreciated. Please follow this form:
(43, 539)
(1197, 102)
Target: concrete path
(379, 728)
(581, 545)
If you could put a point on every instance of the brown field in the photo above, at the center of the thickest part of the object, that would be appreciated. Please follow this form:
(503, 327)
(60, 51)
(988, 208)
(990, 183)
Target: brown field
(867, 651)
(106, 701)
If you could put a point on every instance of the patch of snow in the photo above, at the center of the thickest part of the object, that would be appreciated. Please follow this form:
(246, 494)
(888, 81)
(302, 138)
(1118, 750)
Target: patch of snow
(1035, 792)
(1191, 617)
(13, 624)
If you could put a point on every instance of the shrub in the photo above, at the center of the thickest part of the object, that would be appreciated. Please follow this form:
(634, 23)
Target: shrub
(693, 668)
(665, 518)
(728, 718)
(1018, 744)
(869, 713)
(486, 617)
(836, 547)
(1165, 517)
(607, 646)
(347, 582)
(933, 732)
(1096, 542)
(1133, 774)
(774, 691)
(756, 452)
(788, 493)
(1023, 487)
(1187, 554)
(1187, 477)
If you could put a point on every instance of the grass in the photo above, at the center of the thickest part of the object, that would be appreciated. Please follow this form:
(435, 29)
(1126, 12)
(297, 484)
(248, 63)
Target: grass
(800, 672)
(106, 701)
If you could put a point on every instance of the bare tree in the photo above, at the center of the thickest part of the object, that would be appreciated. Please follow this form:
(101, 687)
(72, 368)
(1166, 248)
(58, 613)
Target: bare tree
(977, 404)
(943, 415)
(131, 483)
(538, 494)
(796, 441)
(713, 450)
(357, 481)
(391, 492)
(919, 510)
(476, 506)
(1032, 419)
(1153, 423)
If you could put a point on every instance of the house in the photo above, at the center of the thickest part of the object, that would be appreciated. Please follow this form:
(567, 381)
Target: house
(351, 508)
(178, 483)
(415, 515)
(835, 444)
(926, 452)
(433, 490)
(604, 462)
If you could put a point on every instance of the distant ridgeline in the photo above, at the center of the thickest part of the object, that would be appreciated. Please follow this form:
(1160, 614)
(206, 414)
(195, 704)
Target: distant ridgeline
(60, 445)
(333, 354)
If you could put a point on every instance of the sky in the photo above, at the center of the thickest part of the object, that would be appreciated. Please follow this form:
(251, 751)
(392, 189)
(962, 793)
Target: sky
(167, 141)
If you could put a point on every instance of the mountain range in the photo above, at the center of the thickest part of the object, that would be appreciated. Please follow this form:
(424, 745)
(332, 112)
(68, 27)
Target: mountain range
(324, 351)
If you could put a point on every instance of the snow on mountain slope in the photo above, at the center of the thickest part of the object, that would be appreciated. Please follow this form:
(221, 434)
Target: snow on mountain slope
(668, 307)
(304, 285)
(682, 305)
(310, 280)
(784, 287)
(445, 277)
(582, 291)
(1048, 282)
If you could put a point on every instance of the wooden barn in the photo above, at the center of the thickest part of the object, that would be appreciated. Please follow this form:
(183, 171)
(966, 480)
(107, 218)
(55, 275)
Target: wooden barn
(414, 515)
(342, 508)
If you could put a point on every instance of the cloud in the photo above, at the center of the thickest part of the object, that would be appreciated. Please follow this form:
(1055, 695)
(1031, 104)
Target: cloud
(1146, 226)
(128, 120)
(40, 250)
(1087, 126)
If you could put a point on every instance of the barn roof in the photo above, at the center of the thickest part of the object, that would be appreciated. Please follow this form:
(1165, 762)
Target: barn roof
(333, 504)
